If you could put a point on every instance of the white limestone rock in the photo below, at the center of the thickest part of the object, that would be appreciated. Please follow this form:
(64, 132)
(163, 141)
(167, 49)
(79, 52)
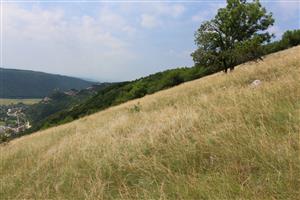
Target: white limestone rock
(256, 83)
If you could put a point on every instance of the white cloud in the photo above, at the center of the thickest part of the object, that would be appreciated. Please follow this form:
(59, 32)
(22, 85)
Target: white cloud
(284, 10)
(112, 20)
(149, 21)
(289, 8)
(106, 43)
(42, 39)
(110, 41)
(201, 16)
(276, 30)
(129, 30)
(208, 13)
(156, 14)
(173, 10)
(178, 10)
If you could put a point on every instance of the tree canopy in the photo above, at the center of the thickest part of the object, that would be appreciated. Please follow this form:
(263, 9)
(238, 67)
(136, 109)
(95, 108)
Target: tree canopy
(233, 36)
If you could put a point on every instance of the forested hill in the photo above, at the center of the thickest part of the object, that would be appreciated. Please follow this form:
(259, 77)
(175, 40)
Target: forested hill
(31, 84)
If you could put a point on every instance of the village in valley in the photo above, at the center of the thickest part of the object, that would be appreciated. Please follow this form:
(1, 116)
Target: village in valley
(13, 119)
(16, 118)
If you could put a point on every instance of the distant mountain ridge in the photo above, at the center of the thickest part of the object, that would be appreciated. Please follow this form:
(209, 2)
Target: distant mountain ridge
(16, 83)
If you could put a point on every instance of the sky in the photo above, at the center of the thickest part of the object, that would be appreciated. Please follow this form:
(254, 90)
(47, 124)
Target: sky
(112, 40)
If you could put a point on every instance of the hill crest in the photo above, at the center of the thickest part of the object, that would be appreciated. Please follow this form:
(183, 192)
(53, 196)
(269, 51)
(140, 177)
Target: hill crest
(16, 83)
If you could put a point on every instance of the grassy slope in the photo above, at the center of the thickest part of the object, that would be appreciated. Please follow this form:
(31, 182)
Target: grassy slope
(212, 138)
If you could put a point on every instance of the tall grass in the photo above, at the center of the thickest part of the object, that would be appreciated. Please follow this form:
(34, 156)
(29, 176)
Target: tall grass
(213, 138)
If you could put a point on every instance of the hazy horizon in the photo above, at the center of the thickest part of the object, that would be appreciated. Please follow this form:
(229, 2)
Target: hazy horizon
(112, 41)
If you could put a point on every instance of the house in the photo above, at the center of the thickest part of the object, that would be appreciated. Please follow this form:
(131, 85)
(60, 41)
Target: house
(2, 129)
(46, 100)
(71, 92)
(13, 112)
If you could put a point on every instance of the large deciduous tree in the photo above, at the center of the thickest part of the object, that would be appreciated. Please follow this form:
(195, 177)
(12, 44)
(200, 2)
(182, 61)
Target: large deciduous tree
(234, 36)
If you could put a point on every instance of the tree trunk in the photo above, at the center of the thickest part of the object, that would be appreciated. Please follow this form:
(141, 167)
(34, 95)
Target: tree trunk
(225, 66)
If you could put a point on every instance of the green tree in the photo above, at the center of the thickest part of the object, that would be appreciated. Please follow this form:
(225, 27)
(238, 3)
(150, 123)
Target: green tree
(291, 38)
(235, 35)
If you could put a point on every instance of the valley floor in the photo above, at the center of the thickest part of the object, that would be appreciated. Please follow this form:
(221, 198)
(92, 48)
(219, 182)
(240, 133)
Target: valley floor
(214, 138)
(16, 101)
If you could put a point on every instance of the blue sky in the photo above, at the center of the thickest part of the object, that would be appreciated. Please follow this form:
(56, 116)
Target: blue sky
(112, 41)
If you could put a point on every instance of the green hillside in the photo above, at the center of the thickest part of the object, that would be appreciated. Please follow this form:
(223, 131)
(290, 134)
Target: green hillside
(122, 92)
(60, 101)
(65, 108)
(31, 84)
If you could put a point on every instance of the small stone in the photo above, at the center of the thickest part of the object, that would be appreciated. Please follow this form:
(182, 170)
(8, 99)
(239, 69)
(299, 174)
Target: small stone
(256, 83)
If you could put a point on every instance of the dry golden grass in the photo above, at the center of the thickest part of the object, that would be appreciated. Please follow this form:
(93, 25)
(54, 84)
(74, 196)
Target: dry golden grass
(213, 138)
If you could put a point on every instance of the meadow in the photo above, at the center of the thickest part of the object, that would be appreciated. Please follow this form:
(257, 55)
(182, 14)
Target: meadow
(217, 137)
(16, 101)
